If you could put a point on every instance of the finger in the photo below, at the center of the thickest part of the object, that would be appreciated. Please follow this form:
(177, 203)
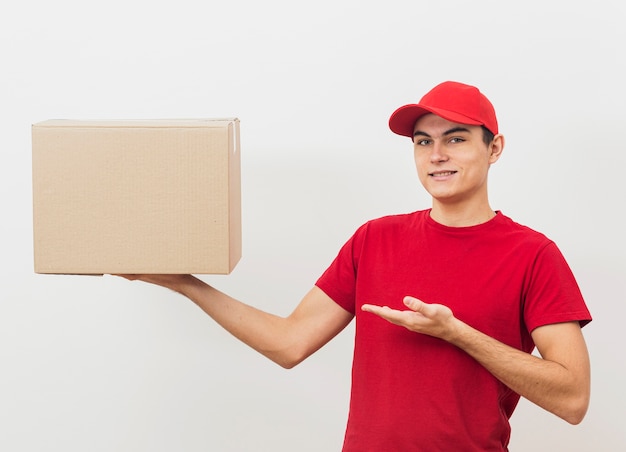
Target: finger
(418, 306)
(129, 277)
(385, 312)
(381, 311)
(373, 308)
(413, 303)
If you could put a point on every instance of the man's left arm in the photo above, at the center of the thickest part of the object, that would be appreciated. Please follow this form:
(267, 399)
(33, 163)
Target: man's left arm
(559, 381)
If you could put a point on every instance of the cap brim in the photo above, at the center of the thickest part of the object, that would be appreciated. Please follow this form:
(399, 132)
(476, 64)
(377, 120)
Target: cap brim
(402, 121)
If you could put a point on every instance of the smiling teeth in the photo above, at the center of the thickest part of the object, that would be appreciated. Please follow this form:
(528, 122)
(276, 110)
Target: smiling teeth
(446, 173)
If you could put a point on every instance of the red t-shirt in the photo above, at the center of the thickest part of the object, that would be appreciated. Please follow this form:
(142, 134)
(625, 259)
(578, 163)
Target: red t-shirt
(413, 392)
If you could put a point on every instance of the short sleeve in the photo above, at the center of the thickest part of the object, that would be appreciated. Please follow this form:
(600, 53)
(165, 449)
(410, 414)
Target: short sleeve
(552, 294)
(339, 280)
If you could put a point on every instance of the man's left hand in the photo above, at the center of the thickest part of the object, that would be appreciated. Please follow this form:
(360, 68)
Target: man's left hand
(432, 319)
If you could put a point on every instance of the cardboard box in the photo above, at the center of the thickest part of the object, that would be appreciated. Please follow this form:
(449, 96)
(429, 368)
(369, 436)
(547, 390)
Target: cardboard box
(154, 196)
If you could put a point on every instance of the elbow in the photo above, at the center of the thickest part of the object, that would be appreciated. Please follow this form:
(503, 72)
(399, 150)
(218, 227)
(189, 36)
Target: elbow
(287, 358)
(577, 409)
(287, 364)
(575, 405)
(576, 416)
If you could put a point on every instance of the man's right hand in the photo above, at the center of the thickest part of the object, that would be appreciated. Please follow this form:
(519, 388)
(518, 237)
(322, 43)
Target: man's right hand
(174, 282)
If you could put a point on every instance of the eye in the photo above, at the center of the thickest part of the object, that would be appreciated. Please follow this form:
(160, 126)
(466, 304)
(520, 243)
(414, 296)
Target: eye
(423, 142)
(456, 140)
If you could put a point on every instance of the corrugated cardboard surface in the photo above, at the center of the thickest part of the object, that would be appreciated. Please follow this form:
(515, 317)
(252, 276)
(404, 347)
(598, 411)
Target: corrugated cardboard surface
(136, 196)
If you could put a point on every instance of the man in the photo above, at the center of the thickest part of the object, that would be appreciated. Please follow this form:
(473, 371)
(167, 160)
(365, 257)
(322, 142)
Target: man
(449, 302)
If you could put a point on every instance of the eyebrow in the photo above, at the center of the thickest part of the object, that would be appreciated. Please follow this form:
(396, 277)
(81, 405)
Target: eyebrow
(447, 132)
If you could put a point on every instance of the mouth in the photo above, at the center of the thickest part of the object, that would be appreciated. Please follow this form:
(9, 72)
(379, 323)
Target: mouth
(441, 173)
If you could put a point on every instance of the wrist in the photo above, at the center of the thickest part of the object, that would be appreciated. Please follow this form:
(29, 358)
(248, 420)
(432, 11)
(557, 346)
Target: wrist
(184, 284)
(456, 332)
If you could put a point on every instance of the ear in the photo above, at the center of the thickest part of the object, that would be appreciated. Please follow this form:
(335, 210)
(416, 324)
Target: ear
(496, 147)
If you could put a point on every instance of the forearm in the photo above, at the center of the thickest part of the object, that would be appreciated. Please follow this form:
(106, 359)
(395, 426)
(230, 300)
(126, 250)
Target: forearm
(266, 333)
(558, 388)
(285, 340)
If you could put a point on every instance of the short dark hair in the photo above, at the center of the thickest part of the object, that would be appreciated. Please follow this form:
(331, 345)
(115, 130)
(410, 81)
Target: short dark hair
(487, 135)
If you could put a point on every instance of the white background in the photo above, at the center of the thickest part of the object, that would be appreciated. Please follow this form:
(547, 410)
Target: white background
(103, 364)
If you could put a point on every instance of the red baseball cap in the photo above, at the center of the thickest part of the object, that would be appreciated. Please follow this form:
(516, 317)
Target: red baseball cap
(453, 101)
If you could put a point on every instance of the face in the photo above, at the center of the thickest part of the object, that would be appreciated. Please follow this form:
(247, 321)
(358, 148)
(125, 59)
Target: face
(452, 160)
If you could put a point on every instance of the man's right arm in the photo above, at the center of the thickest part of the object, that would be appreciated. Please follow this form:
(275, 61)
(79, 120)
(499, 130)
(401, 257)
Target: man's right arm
(285, 340)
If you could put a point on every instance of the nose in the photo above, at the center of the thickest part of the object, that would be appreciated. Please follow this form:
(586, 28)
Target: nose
(438, 153)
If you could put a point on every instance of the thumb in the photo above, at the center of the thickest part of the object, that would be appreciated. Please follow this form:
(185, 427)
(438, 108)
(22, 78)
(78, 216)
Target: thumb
(413, 303)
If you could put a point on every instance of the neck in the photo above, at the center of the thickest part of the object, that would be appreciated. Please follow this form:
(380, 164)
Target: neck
(461, 215)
